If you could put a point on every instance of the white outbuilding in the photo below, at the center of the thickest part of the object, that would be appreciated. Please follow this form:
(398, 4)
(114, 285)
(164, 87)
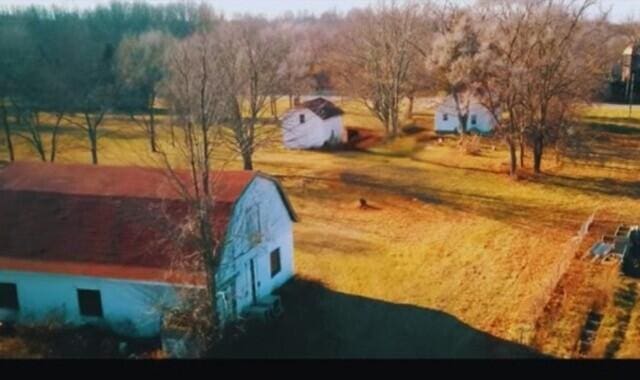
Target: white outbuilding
(89, 245)
(313, 124)
(480, 119)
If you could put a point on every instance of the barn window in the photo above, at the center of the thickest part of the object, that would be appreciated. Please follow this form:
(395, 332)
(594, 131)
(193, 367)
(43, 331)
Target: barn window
(90, 303)
(445, 116)
(253, 220)
(474, 120)
(276, 265)
(302, 119)
(8, 296)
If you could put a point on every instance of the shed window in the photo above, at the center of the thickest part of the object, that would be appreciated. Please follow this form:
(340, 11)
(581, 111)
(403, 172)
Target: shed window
(276, 265)
(8, 296)
(90, 303)
(474, 120)
(445, 116)
(302, 118)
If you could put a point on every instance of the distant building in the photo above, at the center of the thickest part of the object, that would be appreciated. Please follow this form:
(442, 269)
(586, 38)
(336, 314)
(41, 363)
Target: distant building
(480, 119)
(313, 124)
(630, 62)
(624, 82)
(90, 245)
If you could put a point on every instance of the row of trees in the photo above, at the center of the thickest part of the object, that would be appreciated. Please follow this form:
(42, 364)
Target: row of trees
(63, 63)
(80, 66)
(530, 62)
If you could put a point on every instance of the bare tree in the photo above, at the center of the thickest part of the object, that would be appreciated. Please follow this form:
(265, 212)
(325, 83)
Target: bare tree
(36, 131)
(295, 69)
(197, 98)
(96, 91)
(141, 69)
(499, 81)
(543, 61)
(251, 53)
(12, 47)
(374, 58)
(563, 66)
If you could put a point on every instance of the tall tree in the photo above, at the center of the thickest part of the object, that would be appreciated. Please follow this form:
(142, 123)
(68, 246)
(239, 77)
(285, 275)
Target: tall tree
(374, 57)
(252, 53)
(141, 69)
(563, 68)
(197, 99)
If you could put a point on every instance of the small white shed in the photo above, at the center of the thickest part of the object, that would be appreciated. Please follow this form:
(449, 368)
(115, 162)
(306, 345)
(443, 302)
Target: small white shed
(85, 245)
(313, 124)
(480, 119)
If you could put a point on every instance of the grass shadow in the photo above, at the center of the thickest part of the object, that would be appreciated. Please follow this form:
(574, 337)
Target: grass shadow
(322, 323)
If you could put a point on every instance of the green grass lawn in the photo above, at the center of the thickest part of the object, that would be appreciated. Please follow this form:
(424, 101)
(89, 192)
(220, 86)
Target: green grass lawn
(453, 240)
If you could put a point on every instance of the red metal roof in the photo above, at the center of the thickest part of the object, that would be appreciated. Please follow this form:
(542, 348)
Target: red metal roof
(114, 181)
(86, 218)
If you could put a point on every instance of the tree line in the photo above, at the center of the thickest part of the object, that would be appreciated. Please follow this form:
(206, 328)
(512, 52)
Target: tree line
(530, 63)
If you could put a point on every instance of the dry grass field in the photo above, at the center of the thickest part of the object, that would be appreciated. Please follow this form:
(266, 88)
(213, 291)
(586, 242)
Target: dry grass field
(456, 258)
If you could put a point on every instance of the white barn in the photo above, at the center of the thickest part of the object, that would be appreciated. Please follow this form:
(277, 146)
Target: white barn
(446, 119)
(313, 124)
(84, 245)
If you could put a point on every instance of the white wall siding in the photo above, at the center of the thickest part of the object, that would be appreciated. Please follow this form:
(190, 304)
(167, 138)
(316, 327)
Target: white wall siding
(275, 231)
(134, 308)
(314, 133)
(484, 120)
(334, 126)
(130, 308)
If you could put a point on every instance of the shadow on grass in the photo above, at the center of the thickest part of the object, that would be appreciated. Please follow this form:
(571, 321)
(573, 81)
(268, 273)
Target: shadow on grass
(613, 125)
(597, 185)
(514, 211)
(321, 323)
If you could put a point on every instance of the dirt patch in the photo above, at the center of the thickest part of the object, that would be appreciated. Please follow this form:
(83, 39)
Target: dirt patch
(362, 138)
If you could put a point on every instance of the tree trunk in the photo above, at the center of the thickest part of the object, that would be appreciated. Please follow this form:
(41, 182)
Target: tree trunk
(93, 140)
(522, 149)
(247, 160)
(538, 149)
(394, 116)
(54, 138)
(410, 108)
(152, 124)
(36, 136)
(513, 163)
(7, 132)
(40, 149)
(211, 262)
(274, 107)
(462, 116)
(394, 126)
(290, 101)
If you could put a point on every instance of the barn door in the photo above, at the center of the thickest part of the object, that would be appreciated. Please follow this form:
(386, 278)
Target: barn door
(254, 279)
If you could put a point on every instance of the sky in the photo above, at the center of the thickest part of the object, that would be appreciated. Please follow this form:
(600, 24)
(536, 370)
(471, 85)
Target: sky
(621, 9)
